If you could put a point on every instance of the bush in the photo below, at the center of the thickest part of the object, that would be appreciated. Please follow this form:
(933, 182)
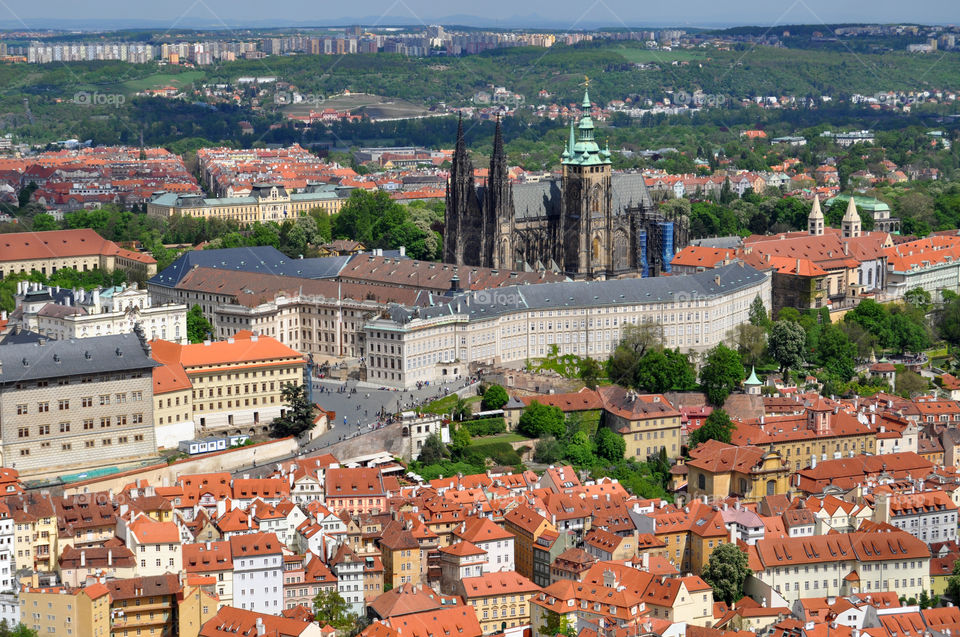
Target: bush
(485, 426)
(495, 397)
(500, 452)
(547, 451)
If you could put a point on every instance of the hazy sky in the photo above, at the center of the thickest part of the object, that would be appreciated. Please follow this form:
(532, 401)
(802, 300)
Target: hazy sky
(558, 13)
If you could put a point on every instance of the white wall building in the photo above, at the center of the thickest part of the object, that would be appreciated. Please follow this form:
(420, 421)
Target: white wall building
(257, 572)
(515, 324)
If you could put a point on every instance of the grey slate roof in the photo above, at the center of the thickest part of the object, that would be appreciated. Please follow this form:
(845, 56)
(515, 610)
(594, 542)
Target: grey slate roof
(543, 198)
(53, 359)
(264, 259)
(576, 294)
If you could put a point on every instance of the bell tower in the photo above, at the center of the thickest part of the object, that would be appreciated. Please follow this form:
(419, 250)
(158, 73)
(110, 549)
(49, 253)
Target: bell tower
(586, 222)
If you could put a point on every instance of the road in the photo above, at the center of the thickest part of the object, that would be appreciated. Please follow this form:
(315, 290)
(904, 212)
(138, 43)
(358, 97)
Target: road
(364, 405)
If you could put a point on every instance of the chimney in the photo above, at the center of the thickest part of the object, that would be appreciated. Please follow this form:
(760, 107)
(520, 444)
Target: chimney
(261, 629)
(109, 557)
(798, 266)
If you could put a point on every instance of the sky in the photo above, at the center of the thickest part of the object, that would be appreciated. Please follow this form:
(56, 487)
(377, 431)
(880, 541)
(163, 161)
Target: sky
(561, 14)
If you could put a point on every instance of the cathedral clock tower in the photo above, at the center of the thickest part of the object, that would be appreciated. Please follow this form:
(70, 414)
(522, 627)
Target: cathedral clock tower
(587, 221)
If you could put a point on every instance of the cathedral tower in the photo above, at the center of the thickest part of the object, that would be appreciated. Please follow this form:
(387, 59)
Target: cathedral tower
(498, 212)
(463, 222)
(586, 223)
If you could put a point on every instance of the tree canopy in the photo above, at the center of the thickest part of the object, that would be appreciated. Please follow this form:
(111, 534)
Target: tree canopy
(539, 420)
(721, 373)
(726, 572)
(717, 426)
(494, 398)
(298, 415)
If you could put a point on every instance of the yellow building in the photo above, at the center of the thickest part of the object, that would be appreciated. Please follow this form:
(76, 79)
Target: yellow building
(267, 202)
(647, 422)
(35, 532)
(145, 605)
(67, 612)
(400, 553)
(198, 604)
(822, 432)
(235, 384)
(501, 600)
(718, 470)
(527, 525)
(687, 600)
(81, 249)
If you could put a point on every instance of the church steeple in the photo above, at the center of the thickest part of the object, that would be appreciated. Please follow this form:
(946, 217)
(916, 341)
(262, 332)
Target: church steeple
(462, 209)
(498, 207)
(850, 225)
(815, 218)
(585, 151)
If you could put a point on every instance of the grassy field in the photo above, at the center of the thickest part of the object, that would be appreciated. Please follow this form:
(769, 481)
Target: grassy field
(375, 106)
(163, 79)
(646, 56)
(510, 437)
(445, 404)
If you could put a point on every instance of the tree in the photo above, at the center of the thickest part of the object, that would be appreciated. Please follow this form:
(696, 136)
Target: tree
(726, 572)
(610, 446)
(330, 608)
(539, 420)
(786, 345)
(557, 624)
(948, 323)
(581, 450)
(547, 450)
(953, 583)
(758, 313)
(721, 374)
(198, 327)
(298, 414)
(836, 353)
(459, 441)
(717, 426)
(660, 370)
(44, 222)
(918, 298)
(910, 383)
(433, 450)
(636, 340)
(751, 342)
(495, 397)
(461, 409)
(590, 371)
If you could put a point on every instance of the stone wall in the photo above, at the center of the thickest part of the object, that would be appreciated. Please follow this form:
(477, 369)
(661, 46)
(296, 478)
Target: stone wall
(165, 475)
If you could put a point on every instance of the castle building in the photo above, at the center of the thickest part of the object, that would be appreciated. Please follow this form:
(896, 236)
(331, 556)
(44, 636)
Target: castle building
(588, 224)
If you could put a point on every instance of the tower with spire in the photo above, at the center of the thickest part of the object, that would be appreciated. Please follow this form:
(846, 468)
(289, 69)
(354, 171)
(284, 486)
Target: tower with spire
(589, 223)
(815, 219)
(463, 228)
(498, 211)
(850, 225)
(586, 222)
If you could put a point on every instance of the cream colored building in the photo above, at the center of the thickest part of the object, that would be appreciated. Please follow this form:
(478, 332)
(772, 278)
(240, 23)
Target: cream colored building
(514, 324)
(64, 314)
(66, 612)
(76, 405)
(267, 202)
(81, 249)
(839, 564)
(235, 384)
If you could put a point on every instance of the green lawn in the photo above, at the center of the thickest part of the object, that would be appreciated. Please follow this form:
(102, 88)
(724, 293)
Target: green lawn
(510, 437)
(163, 79)
(445, 405)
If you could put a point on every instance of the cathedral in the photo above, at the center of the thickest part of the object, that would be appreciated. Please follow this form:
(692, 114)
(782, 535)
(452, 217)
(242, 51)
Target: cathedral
(588, 224)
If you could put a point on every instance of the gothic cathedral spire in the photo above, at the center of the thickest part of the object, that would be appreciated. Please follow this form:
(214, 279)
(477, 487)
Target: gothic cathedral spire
(498, 207)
